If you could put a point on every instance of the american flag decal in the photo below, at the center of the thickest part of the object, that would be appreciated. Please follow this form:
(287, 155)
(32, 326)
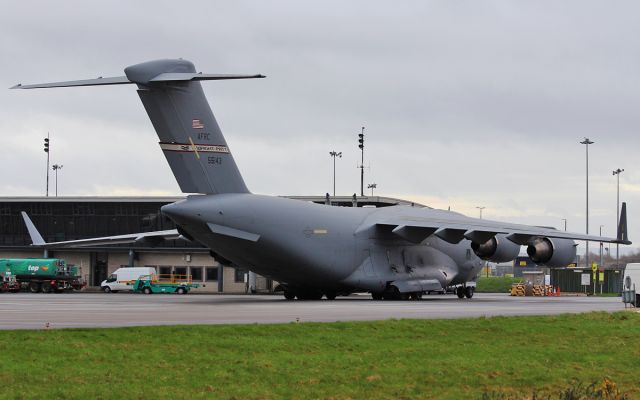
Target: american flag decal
(197, 124)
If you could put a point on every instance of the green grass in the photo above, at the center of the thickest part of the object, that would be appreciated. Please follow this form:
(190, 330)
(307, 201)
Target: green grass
(404, 359)
(495, 284)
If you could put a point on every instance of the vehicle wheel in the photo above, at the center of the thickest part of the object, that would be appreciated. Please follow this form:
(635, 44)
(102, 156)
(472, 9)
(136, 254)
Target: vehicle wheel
(460, 292)
(181, 291)
(330, 296)
(289, 295)
(34, 287)
(46, 287)
(376, 296)
(147, 290)
(468, 292)
(416, 296)
(106, 289)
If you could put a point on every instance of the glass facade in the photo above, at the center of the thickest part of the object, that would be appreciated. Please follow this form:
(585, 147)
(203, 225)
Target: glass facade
(77, 218)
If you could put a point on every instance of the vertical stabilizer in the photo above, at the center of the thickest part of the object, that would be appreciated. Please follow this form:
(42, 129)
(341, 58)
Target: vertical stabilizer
(189, 134)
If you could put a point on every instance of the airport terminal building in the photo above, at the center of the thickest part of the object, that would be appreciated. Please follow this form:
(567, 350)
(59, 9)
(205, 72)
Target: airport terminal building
(71, 218)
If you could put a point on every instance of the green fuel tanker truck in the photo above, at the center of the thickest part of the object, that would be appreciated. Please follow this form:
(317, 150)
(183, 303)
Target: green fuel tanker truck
(41, 274)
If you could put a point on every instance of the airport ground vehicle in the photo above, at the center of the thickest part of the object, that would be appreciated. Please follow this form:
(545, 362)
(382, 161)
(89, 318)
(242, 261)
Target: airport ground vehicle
(171, 283)
(631, 279)
(40, 275)
(124, 278)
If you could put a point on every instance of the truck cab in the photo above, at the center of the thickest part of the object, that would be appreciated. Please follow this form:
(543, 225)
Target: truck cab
(631, 280)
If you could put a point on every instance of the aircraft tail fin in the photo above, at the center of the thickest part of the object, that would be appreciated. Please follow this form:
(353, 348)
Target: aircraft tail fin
(190, 137)
(622, 236)
(36, 237)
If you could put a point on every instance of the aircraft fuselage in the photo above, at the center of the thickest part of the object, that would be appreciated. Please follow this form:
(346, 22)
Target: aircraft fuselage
(318, 246)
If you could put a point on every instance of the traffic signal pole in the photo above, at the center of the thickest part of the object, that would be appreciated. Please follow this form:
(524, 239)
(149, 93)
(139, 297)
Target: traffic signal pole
(46, 150)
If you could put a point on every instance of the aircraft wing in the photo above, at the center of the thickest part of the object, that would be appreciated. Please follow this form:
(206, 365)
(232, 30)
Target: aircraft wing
(147, 238)
(453, 228)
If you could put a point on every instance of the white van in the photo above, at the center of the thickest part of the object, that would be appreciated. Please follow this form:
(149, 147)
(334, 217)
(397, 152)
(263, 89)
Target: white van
(122, 278)
(632, 278)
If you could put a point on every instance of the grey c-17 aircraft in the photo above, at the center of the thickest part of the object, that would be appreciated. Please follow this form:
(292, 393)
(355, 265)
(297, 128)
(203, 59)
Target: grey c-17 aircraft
(396, 252)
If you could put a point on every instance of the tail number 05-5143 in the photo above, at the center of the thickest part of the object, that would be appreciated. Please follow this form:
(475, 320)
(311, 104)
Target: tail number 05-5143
(212, 160)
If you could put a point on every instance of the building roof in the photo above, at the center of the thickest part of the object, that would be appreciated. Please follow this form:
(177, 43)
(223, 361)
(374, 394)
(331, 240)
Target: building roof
(374, 200)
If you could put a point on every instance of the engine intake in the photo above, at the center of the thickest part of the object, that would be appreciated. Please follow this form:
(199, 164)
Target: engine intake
(496, 249)
(552, 252)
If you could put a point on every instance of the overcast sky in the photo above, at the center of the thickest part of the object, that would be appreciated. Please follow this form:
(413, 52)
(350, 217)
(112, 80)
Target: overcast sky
(465, 103)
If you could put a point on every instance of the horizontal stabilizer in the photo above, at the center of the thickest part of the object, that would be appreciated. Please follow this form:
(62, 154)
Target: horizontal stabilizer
(193, 76)
(116, 80)
(123, 80)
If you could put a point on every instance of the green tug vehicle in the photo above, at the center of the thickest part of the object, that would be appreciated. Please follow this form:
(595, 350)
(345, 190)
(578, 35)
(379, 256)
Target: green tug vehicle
(39, 275)
(171, 283)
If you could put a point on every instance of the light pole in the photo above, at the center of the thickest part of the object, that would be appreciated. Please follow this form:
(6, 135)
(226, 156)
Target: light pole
(617, 174)
(56, 167)
(372, 186)
(480, 208)
(334, 154)
(361, 146)
(565, 224)
(601, 246)
(587, 142)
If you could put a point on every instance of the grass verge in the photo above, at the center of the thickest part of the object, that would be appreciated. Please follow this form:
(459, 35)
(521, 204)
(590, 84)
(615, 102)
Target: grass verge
(495, 284)
(503, 357)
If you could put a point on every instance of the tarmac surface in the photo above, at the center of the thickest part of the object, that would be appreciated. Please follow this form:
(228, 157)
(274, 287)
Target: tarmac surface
(74, 310)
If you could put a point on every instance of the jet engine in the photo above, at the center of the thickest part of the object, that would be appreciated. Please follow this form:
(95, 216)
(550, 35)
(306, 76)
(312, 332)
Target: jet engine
(552, 252)
(496, 249)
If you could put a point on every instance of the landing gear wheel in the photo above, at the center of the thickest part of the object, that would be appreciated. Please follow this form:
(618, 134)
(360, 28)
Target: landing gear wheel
(376, 296)
(181, 291)
(416, 296)
(46, 287)
(460, 292)
(330, 296)
(468, 291)
(147, 290)
(289, 295)
(34, 287)
(310, 296)
(106, 289)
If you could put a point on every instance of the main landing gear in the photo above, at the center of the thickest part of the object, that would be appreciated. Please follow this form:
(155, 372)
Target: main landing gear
(308, 295)
(465, 291)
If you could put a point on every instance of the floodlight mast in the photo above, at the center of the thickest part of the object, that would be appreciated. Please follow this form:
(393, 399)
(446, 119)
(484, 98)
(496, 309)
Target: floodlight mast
(587, 142)
(334, 154)
(361, 146)
(617, 172)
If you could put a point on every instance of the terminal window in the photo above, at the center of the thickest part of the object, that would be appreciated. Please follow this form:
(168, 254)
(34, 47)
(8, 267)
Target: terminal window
(196, 273)
(212, 274)
(239, 275)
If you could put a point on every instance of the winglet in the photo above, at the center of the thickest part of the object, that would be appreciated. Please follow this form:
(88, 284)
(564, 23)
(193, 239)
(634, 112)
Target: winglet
(36, 238)
(623, 238)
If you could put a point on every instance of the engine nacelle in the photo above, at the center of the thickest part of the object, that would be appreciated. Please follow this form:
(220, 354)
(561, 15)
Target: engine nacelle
(552, 252)
(497, 249)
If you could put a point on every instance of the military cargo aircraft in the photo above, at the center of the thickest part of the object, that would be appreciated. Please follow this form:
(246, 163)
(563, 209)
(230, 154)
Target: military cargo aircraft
(313, 250)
